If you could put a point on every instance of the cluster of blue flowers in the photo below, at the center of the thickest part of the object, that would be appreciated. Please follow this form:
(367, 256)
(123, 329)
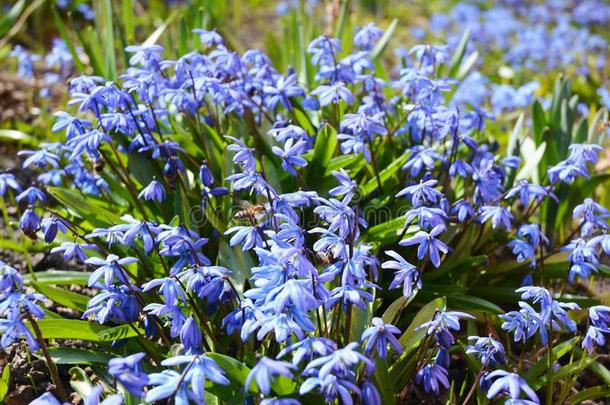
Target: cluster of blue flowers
(309, 282)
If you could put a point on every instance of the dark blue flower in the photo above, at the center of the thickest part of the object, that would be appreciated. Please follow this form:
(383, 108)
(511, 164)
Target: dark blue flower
(378, 336)
(428, 244)
(128, 371)
(432, 377)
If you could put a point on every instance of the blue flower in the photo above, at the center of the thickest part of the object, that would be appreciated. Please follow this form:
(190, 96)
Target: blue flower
(50, 227)
(527, 190)
(332, 94)
(94, 397)
(497, 214)
(72, 249)
(599, 316)
(154, 191)
(406, 274)
(115, 304)
(209, 38)
(290, 157)
(13, 329)
(265, 370)
(442, 324)
(339, 363)
(378, 336)
(280, 93)
(511, 384)
(422, 193)
(462, 209)
(324, 50)
(308, 348)
(128, 371)
(432, 376)
(30, 223)
(109, 268)
(366, 36)
(332, 387)
(346, 187)
(190, 336)
(31, 194)
(7, 180)
(428, 244)
(186, 386)
(488, 350)
(591, 215)
(249, 235)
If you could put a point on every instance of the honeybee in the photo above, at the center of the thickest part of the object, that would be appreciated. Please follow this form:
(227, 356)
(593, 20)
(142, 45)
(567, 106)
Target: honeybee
(250, 211)
(98, 165)
(324, 258)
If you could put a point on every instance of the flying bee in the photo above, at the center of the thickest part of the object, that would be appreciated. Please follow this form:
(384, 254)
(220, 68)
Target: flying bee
(250, 212)
(98, 165)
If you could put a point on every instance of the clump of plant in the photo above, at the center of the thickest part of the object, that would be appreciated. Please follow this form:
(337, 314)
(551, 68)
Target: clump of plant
(346, 235)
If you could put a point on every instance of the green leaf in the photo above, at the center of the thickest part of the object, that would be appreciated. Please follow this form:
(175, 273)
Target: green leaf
(62, 296)
(531, 158)
(154, 37)
(58, 277)
(80, 382)
(5, 381)
(119, 332)
(466, 67)
(14, 136)
(601, 371)
(323, 151)
(411, 335)
(128, 20)
(384, 175)
(458, 55)
(63, 33)
(410, 340)
(235, 370)
(69, 355)
(69, 329)
(461, 301)
(381, 378)
(383, 41)
(109, 51)
(95, 213)
(8, 19)
(541, 366)
(538, 122)
(589, 394)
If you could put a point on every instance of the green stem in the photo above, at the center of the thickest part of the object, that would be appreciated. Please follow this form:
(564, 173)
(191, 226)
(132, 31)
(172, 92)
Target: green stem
(61, 392)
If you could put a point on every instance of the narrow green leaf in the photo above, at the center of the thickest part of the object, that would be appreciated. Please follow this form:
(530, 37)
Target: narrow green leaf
(384, 175)
(14, 136)
(80, 382)
(63, 33)
(63, 296)
(323, 151)
(5, 381)
(458, 55)
(109, 50)
(69, 355)
(589, 394)
(383, 41)
(128, 20)
(541, 366)
(8, 19)
(58, 277)
(69, 329)
(119, 332)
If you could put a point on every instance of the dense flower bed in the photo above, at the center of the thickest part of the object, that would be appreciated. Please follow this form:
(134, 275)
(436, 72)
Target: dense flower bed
(344, 232)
